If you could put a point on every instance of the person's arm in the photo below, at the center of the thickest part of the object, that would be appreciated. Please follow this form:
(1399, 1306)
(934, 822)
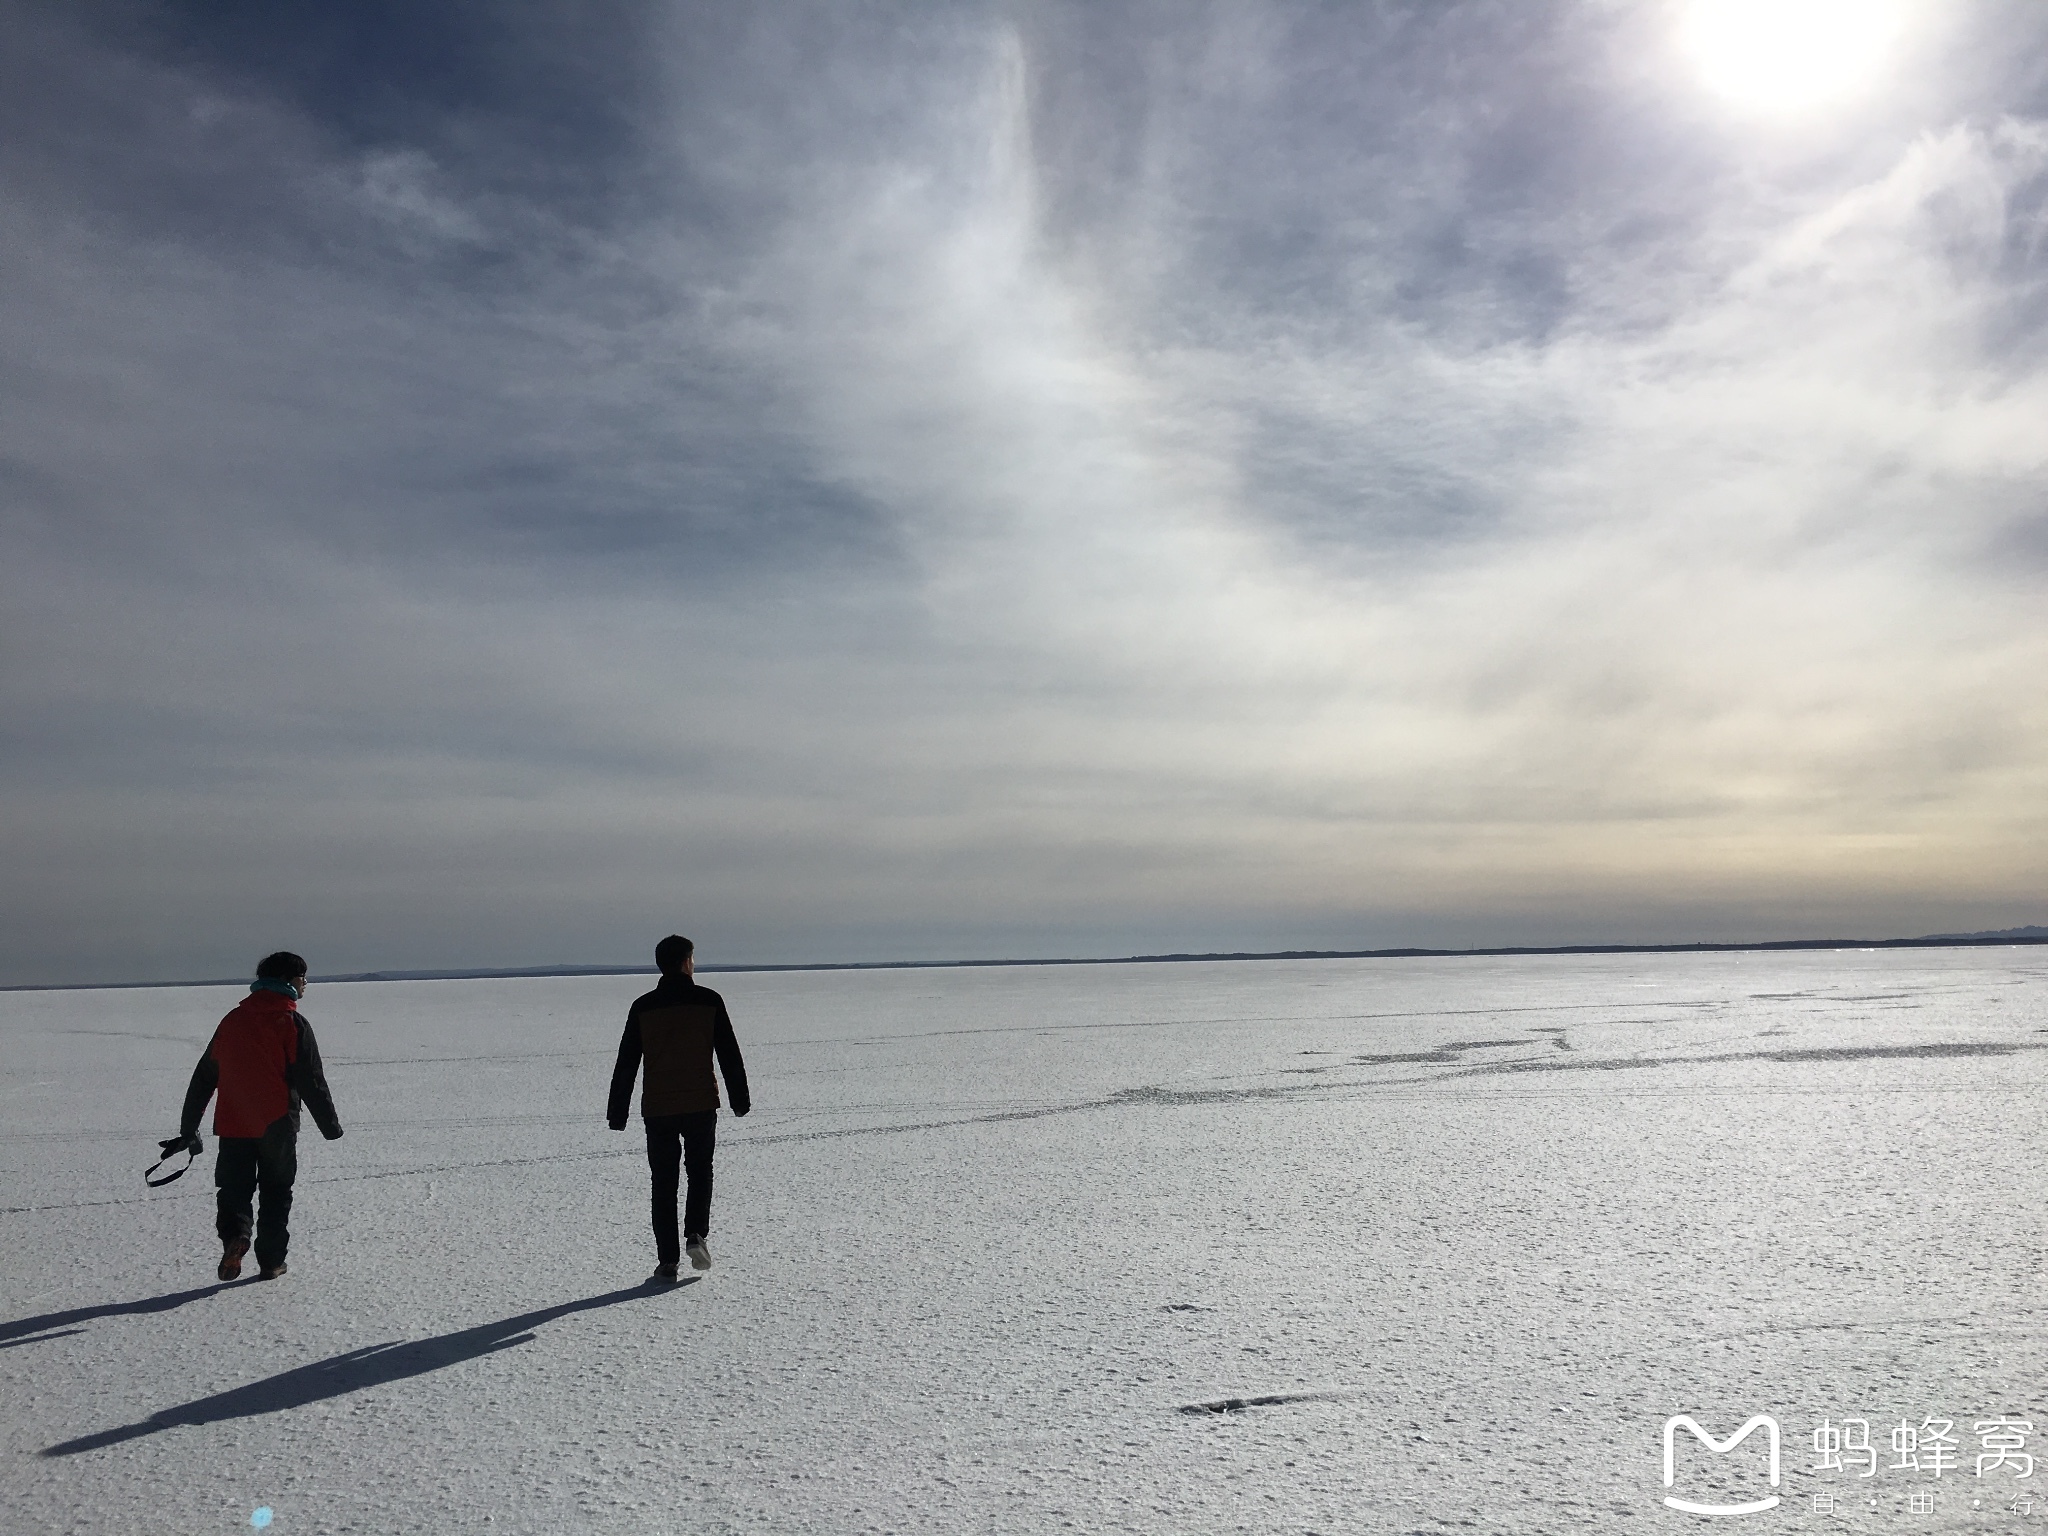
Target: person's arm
(205, 1078)
(628, 1068)
(734, 1070)
(308, 1079)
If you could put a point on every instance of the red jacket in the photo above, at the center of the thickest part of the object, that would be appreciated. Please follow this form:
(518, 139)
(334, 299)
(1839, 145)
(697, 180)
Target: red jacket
(263, 1060)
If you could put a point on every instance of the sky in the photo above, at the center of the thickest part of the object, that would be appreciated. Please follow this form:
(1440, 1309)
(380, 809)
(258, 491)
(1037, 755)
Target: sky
(491, 485)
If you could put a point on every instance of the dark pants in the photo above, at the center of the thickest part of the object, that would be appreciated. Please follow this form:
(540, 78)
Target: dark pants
(247, 1163)
(675, 1143)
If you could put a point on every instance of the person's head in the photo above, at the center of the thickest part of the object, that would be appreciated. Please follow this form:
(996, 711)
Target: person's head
(675, 955)
(283, 966)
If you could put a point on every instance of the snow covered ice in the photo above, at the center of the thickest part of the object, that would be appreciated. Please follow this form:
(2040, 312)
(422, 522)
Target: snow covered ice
(1330, 1246)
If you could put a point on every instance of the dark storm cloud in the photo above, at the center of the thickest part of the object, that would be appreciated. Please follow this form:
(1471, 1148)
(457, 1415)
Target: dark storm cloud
(887, 480)
(402, 274)
(548, 106)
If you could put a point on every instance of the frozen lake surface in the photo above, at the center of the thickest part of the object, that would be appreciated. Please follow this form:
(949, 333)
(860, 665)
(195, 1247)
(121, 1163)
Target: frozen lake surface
(1475, 1229)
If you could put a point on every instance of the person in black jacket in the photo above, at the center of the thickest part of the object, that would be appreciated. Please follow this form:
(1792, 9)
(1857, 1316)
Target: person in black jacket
(264, 1062)
(678, 1027)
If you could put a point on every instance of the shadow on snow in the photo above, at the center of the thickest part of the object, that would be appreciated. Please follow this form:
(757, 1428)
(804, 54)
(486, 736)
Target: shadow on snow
(18, 1331)
(373, 1366)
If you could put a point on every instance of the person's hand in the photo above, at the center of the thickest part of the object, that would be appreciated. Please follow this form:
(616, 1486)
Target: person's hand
(333, 1135)
(617, 1125)
(182, 1143)
(742, 1109)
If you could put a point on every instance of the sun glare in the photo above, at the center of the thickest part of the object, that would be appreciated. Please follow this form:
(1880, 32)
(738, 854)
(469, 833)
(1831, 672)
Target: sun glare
(1789, 56)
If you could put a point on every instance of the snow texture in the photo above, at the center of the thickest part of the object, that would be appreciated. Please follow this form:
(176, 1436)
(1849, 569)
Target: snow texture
(1328, 1246)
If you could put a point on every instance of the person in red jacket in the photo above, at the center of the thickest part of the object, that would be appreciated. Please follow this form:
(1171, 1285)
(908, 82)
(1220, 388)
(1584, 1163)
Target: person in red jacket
(264, 1062)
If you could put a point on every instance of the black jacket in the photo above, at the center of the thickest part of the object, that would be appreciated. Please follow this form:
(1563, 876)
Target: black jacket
(678, 1028)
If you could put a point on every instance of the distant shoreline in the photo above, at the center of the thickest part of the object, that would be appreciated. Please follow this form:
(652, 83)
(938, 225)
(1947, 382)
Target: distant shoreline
(2017, 936)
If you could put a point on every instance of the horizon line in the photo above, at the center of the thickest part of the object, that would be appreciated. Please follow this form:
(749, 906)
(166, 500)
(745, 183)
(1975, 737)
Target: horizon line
(2028, 935)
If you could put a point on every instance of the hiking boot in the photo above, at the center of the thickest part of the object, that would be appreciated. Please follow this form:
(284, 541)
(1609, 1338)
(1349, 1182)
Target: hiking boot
(664, 1274)
(271, 1271)
(231, 1251)
(700, 1256)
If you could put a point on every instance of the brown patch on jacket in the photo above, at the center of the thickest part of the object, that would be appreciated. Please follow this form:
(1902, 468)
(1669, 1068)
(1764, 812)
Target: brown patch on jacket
(679, 1029)
(676, 1041)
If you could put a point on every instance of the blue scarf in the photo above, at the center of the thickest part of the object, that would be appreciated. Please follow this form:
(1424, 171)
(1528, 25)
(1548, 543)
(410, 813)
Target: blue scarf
(273, 984)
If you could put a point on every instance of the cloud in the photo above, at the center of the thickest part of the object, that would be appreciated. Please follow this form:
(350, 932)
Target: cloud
(1006, 482)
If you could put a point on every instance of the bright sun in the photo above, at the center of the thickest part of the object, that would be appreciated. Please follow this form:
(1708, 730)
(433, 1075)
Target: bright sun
(1787, 56)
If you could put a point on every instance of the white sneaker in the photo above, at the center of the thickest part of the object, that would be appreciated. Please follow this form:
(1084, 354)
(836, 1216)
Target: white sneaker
(700, 1256)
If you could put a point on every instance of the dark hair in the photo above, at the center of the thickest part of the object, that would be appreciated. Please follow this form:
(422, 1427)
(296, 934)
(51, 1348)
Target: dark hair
(282, 966)
(671, 952)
